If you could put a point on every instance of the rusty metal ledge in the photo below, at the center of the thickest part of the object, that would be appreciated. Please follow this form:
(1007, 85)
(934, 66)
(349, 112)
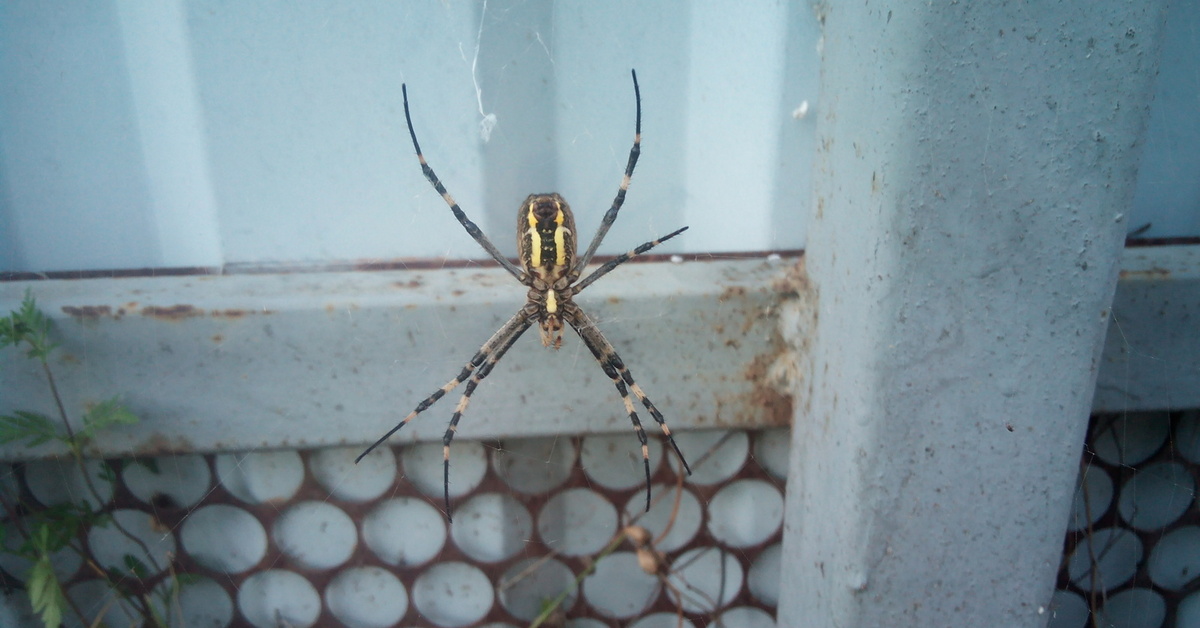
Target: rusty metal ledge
(214, 363)
(243, 362)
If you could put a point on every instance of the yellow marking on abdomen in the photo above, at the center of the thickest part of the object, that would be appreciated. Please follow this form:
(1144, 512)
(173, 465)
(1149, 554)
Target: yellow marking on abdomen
(535, 241)
(560, 246)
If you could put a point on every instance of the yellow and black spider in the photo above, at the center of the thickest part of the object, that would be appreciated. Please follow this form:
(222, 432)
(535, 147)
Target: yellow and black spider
(551, 270)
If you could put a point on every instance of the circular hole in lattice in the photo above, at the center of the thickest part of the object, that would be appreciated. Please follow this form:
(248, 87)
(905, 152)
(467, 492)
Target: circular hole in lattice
(1187, 436)
(662, 620)
(1068, 610)
(1133, 608)
(745, 513)
(1093, 494)
(1175, 560)
(491, 527)
(1109, 558)
(423, 466)
(405, 531)
(204, 603)
(763, 579)
(707, 578)
(685, 522)
(1130, 438)
(715, 456)
(577, 522)
(259, 478)
(64, 563)
(747, 617)
(586, 622)
(54, 482)
(453, 594)
(184, 479)
(619, 588)
(95, 598)
(1188, 611)
(335, 470)
(224, 538)
(1156, 495)
(366, 597)
(316, 535)
(114, 550)
(614, 461)
(530, 583)
(771, 450)
(535, 465)
(269, 598)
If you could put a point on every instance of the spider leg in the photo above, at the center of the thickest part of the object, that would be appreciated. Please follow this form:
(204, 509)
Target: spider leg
(607, 356)
(475, 370)
(621, 259)
(519, 324)
(611, 215)
(471, 227)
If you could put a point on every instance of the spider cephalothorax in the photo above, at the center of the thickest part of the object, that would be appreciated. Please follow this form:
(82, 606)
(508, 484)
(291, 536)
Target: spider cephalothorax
(546, 244)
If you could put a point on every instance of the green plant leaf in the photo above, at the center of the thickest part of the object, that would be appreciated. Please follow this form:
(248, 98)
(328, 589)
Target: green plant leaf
(60, 526)
(107, 472)
(29, 325)
(136, 566)
(45, 592)
(38, 428)
(102, 416)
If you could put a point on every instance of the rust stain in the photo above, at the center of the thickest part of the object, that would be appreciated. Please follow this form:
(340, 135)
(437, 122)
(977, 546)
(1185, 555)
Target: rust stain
(771, 375)
(776, 405)
(218, 338)
(1150, 273)
(776, 375)
(173, 313)
(794, 282)
(732, 292)
(412, 283)
(236, 313)
(87, 312)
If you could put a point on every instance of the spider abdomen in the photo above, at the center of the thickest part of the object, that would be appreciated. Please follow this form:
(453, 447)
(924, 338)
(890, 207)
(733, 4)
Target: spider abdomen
(546, 237)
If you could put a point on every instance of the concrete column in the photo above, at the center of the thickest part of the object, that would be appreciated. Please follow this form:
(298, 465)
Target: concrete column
(975, 165)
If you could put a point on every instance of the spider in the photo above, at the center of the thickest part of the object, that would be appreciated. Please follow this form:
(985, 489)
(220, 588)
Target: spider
(550, 268)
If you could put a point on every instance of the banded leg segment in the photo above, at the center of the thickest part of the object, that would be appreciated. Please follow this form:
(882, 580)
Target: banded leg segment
(615, 368)
(611, 215)
(471, 227)
(621, 259)
(499, 342)
(519, 324)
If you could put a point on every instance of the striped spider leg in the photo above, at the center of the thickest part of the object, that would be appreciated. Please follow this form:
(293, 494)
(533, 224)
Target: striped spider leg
(546, 245)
